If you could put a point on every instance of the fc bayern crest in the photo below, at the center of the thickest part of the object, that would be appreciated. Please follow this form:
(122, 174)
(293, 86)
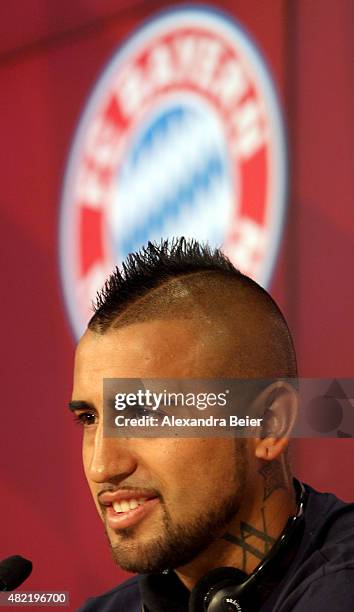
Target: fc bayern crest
(182, 136)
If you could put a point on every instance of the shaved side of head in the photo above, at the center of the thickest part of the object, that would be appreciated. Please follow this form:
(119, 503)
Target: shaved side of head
(244, 331)
(245, 334)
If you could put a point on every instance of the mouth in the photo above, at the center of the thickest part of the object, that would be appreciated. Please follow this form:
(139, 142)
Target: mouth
(125, 509)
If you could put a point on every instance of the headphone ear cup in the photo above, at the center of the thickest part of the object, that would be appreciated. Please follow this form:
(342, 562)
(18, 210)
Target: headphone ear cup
(209, 585)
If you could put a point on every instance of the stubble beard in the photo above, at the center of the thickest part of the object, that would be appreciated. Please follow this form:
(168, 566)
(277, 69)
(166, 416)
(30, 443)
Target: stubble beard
(179, 543)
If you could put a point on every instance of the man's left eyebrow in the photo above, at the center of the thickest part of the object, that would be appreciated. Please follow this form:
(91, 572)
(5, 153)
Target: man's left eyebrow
(79, 405)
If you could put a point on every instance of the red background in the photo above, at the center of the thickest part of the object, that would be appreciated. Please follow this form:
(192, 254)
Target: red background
(50, 55)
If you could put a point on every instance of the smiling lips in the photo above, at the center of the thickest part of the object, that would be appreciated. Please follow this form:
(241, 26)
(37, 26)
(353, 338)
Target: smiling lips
(126, 508)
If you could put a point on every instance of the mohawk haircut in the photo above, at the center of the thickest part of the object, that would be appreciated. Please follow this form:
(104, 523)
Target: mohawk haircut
(185, 279)
(151, 267)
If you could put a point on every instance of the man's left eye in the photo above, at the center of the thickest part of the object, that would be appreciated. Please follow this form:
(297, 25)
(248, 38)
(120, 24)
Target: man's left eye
(85, 418)
(139, 411)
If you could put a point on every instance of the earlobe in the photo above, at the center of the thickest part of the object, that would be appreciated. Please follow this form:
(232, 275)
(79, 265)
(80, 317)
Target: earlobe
(270, 448)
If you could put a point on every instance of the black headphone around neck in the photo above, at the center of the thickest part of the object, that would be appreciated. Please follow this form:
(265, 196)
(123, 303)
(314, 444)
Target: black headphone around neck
(227, 589)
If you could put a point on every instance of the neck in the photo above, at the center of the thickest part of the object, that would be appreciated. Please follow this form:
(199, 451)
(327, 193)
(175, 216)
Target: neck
(249, 537)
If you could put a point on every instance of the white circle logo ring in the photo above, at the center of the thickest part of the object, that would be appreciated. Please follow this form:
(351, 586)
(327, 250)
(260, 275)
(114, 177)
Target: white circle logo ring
(182, 135)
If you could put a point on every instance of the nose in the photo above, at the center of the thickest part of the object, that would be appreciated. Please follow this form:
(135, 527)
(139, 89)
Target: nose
(108, 458)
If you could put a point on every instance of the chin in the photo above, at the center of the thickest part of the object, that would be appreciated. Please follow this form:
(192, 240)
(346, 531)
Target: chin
(155, 555)
(138, 561)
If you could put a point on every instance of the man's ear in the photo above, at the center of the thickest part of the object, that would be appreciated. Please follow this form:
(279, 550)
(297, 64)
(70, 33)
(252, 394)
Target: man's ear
(279, 405)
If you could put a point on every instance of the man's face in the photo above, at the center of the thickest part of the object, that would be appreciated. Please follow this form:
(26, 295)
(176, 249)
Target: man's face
(187, 490)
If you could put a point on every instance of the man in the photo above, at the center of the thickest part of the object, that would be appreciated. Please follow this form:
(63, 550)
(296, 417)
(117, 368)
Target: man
(176, 508)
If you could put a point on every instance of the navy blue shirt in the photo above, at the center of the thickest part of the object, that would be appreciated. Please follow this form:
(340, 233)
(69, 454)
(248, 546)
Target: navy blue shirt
(320, 577)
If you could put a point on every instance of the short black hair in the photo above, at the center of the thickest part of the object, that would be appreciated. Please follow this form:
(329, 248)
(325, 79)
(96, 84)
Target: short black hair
(146, 286)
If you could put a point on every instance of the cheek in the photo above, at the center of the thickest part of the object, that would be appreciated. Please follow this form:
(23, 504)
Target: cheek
(194, 468)
(85, 454)
(86, 462)
(94, 490)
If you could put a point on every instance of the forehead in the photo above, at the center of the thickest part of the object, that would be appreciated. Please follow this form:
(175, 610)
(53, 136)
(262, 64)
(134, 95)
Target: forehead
(158, 348)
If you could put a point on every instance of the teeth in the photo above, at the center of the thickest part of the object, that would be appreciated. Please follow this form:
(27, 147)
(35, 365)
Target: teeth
(126, 505)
